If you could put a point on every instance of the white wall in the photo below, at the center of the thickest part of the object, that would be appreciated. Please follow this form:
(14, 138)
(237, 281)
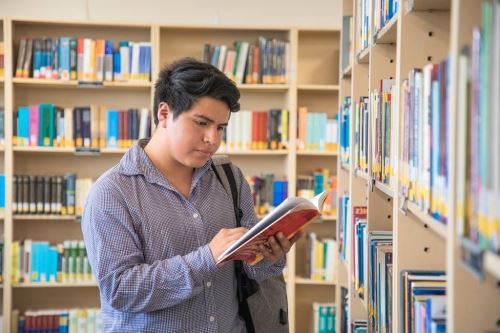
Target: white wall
(281, 13)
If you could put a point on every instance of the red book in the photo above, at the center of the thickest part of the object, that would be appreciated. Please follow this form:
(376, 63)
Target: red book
(289, 217)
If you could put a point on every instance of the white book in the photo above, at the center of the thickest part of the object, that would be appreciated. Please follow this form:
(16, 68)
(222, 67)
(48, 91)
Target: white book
(241, 62)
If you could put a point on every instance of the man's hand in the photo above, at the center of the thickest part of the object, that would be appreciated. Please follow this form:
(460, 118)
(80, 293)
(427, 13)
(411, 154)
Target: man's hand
(278, 246)
(224, 239)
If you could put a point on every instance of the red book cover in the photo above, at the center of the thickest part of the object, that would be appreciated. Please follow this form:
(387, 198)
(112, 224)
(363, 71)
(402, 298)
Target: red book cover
(289, 217)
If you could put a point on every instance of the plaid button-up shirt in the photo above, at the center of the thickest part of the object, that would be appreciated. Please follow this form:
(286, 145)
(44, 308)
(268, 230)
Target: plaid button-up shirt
(148, 248)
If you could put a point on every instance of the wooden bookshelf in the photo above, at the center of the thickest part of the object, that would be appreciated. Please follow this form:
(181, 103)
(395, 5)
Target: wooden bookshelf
(313, 82)
(50, 83)
(421, 32)
(55, 285)
(41, 217)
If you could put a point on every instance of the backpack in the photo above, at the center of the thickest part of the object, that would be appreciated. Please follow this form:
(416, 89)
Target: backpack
(263, 305)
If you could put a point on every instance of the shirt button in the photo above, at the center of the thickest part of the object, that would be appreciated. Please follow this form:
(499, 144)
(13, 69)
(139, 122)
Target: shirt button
(212, 318)
(195, 215)
(209, 284)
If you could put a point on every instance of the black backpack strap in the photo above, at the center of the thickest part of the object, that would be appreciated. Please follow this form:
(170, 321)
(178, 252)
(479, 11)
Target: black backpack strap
(234, 192)
(241, 278)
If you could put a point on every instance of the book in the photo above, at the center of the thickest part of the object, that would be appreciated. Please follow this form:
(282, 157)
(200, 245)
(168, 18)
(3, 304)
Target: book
(289, 217)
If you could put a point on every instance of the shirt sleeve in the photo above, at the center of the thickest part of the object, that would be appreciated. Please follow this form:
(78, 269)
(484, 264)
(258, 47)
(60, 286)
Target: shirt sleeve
(263, 269)
(115, 253)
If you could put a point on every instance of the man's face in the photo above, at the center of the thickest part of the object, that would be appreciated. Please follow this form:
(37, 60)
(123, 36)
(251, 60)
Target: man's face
(195, 135)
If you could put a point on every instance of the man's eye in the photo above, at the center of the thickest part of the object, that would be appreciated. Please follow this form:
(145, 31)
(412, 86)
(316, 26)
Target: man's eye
(201, 123)
(221, 128)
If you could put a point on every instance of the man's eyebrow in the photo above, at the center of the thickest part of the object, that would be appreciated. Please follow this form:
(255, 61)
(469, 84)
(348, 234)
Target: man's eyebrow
(208, 119)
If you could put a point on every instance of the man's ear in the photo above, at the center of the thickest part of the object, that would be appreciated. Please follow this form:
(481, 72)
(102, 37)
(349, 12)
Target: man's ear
(163, 112)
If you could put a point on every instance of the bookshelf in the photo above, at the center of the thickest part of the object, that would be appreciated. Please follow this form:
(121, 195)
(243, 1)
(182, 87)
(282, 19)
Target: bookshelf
(419, 33)
(313, 82)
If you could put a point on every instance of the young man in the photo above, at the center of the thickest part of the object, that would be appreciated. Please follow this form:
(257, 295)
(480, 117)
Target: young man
(155, 223)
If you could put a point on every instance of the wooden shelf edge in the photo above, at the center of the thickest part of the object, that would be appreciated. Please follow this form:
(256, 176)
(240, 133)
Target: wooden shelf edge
(266, 152)
(306, 281)
(54, 285)
(37, 217)
(66, 150)
(381, 35)
(361, 174)
(347, 71)
(363, 57)
(384, 188)
(492, 264)
(436, 226)
(318, 87)
(317, 153)
(75, 84)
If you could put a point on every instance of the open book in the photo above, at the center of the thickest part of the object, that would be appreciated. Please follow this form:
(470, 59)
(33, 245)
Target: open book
(289, 217)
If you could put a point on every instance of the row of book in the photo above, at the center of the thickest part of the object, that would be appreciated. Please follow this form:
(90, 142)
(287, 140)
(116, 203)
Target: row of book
(478, 160)
(424, 301)
(2, 194)
(383, 12)
(359, 250)
(361, 134)
(316, 132)
(347, 43)
(324, 317)
(372, 16)
(268, 191)
(83, 59)
(344, 136)
(364, 24)
(2, 59)
(84, 320)
(59, 195)
(48, 125)
(320, 257)
(267, 61)
(383, 132)
(313, 184)
(255, 130)
(2, 126)
(380, 278)
(2, 252)
(40, 262)
(342, 226)
(425, 155)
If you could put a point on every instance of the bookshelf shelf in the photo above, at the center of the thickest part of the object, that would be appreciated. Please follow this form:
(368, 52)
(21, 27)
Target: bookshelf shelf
(329, 218)
(363, 57)
(41, 217)
(263, 152)
(388, 33)
(347, 71)
(306, 281)
(436, 226)
(317, 153)
(264, 87)
(361, 175)
(345, 167)
(492, 264)
(55, 285)
(318, 87)
(47, 83)
(64, 150)
(384, 188)
(421, 5)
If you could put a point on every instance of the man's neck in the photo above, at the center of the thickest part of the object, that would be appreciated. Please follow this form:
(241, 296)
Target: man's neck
(178, 175)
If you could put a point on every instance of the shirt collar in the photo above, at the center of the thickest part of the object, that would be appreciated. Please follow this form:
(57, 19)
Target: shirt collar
(136, 162)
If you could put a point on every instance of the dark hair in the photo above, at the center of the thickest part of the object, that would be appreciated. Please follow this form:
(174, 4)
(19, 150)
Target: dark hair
(184, 81)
